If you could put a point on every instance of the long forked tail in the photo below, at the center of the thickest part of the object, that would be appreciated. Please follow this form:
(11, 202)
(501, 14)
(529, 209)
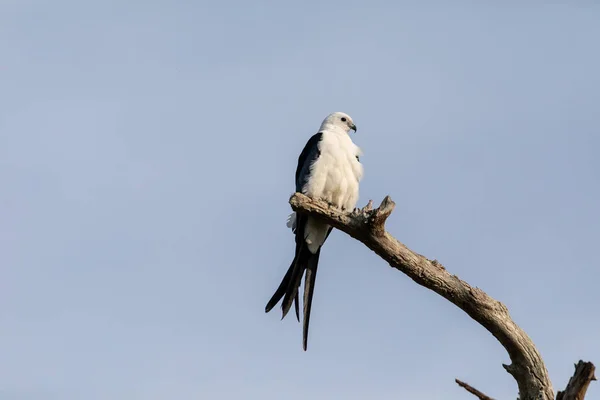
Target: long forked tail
(289, 287)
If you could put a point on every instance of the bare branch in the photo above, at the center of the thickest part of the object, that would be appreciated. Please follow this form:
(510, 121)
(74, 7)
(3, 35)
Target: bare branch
(368, 226)
(472, 390)
(579, 382)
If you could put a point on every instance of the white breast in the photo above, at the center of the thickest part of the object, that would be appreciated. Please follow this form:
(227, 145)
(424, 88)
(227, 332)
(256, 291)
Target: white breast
(336, 173)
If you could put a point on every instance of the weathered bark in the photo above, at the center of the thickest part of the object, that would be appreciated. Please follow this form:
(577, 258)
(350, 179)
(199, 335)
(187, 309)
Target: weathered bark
(368, 226)
(578, 384)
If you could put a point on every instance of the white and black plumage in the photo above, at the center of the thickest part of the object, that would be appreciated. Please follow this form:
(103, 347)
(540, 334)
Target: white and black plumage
(328, 169)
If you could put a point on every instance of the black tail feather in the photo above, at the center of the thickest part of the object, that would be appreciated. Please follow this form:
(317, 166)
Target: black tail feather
(296, 278)
(309, 289)
(281, 290)
(285, 282)
(297, 307)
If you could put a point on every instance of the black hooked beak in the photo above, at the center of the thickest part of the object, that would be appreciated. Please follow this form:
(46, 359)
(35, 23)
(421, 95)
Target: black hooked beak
(353, 127)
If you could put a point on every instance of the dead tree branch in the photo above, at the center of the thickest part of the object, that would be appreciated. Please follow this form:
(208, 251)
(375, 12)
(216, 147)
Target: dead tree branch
(578, 384)
(472, 390)
(368, 226)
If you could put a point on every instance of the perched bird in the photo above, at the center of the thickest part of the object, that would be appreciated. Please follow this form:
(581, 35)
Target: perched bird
(328, 169)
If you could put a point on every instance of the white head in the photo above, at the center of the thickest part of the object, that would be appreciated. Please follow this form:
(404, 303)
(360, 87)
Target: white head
(338, 121)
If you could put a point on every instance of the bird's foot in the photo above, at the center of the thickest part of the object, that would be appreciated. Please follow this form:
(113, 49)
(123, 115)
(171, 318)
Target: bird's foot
(330, 204)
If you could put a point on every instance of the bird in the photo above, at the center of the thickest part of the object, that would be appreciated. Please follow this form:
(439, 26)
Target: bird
(328, 169)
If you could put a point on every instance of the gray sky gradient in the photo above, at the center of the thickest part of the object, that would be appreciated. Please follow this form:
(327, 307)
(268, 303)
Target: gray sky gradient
(147, 153)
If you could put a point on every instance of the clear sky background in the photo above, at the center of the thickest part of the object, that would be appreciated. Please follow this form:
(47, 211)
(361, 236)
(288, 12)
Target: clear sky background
(147, 154)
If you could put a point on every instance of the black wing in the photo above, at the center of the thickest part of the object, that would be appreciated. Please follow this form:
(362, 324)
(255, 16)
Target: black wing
(309, 155)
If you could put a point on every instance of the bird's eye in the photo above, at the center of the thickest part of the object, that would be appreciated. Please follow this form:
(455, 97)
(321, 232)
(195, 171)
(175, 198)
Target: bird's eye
(343, 119)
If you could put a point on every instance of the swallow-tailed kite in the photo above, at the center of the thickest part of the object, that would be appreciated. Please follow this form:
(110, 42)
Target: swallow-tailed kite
(328, 169)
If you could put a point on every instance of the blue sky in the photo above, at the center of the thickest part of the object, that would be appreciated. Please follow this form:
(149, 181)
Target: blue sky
(147, 153)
